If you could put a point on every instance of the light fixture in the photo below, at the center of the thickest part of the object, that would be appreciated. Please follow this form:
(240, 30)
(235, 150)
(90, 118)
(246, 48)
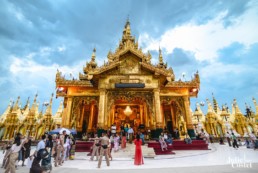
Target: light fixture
(194, 90)
(128, 111)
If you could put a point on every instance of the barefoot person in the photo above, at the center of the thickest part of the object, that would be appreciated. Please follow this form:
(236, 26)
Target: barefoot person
(95, 148)
(104, 149)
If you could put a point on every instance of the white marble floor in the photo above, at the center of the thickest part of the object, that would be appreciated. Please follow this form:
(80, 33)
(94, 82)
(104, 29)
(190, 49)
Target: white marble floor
(218, 155)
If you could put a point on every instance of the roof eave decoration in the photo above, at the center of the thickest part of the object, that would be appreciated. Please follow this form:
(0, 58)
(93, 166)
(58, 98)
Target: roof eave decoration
(61, 81)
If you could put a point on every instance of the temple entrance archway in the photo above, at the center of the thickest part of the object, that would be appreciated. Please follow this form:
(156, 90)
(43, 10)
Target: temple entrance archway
(140, 108)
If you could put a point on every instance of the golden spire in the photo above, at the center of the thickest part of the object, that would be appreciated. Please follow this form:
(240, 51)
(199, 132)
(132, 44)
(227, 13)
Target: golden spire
(59, 110)
(34, 105)
(210, 108)
(93, 57)
(256, 106)
(6, 112)
(237, 110)
(160, 58)
(49, 107)
(127, 29)
(26, 108)
(215, 105)
(198, 113)
(16, 106)
(224, 113)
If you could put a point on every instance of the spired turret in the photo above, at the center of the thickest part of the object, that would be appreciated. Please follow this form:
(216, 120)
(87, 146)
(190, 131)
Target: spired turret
(6, 112)
(256, 111)
(213, 123)
(198, 118)
(239, 124)
(215, 105)
(58, 116)
(45, 123)
(11, 122)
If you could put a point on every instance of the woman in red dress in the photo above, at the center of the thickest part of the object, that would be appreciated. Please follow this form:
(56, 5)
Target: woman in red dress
(138, 158)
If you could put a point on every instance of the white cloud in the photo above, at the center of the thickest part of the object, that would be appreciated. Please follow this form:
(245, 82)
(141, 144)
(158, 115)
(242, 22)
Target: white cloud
(61, 48)
(206, 40)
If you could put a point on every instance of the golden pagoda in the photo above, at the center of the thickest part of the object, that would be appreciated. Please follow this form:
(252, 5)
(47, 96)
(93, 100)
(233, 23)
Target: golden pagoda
(28, 120)
(128, 80)
(218, 123)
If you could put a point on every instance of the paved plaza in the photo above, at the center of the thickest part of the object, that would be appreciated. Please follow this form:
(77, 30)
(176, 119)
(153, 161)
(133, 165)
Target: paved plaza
(220, 158)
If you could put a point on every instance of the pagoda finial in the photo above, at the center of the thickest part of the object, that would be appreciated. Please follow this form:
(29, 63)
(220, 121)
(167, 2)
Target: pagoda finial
(127, 29)
(210, 109)
(49, 106)
(161, 63)
(256, 106)
(215, 104)
(35, 98)
(237, 110)
(16, 106)
(93, 57)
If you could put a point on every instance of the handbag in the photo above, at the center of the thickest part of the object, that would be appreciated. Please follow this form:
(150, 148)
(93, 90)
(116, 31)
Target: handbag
(42, 153)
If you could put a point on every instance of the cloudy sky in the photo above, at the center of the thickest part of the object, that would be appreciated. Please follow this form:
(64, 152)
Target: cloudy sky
(217, 38)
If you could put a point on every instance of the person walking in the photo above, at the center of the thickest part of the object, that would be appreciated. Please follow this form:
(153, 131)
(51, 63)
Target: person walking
(58, 151)
(113, 129)
(228, 136)
(123, 142)
(104, 149)
(46, 162)
(234, 138)
(116, 142)
(130, 133)
(26, 151)
(95, 149)
(138, 157)
(16, 147)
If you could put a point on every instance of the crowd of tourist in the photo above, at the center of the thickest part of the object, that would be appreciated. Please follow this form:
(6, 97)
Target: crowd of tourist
(60, 147)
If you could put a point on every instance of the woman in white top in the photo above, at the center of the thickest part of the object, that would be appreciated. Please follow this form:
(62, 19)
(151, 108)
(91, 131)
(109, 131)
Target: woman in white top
(16, 147)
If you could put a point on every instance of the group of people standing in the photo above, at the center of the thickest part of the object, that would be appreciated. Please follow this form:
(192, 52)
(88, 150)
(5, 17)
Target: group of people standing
(60, 147)
(102, 145)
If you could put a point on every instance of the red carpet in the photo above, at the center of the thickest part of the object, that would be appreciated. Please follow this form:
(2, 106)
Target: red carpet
(85, 146)
(178, 145)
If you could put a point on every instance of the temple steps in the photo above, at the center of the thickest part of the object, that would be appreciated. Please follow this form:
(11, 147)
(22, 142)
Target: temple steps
(129, 152)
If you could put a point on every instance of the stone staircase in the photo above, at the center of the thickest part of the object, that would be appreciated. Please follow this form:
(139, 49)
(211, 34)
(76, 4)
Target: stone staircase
(129, 152)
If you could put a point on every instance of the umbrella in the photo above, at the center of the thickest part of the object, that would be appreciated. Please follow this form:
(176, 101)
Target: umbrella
(60, 131)
(64, 129)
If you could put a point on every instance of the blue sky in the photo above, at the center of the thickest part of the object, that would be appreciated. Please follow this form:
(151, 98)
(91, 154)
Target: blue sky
(217, 38)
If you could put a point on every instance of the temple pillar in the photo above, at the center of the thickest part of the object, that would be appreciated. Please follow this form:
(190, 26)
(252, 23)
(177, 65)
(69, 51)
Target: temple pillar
(67, 113)
(101, 112)
(91, 117)
(188, 119)
(146, 116)
(141, 113)
(173, 119)
(106, 115)
(162, 115)
(158, 116)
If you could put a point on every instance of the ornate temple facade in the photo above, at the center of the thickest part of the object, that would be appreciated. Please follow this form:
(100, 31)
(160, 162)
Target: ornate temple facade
(128, 89)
